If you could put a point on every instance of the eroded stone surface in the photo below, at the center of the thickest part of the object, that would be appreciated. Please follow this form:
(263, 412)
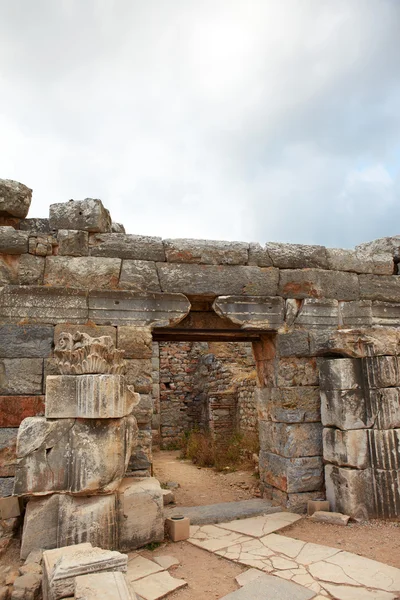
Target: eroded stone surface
(15, 198)
(110, 585)
(157, 586)
(206, 252)
(252, 312)
(84, 215)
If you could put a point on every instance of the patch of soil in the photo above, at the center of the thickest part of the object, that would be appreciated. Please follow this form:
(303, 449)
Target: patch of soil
(378, 540)
(200, 485)
(207, 575)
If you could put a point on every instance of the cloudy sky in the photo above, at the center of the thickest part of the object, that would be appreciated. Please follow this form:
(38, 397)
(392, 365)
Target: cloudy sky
(255, 120)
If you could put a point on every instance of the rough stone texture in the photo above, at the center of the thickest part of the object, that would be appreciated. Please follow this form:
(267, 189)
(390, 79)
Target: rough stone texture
(268, 587)
(88, 397)
(350, 491)
(73, 242)
(135, 247)
(381, 371)
(346, 448)
(12, 241)
(42, 245)
(294, 343)
(8, 456)
(380, 287)
(21, 376)
(139, 276)
(143, 410)
(356, 314)
(318, 314)
(40, 524)
(95, 586)
(15, 198)
(138, 374)
(91, 329)
(359, 261)
(340, 374)
(48, 452)
(251, 313)
(31, 270)
(6, 486)
(79, 354)
(136, 342)
(390, 245)
(141, 454)
(317, 283)
(333, 518)
(258, 256)
(385, 314)
(8, 269)
(289, 405)
(345, 409)
(218, 280)
(117, 228)
(82, 272)
(25, 341)
(13, 409)
(297, 256)
(292, 474)
(27, 587)
(206, 252)
(291, 440)
(35, 225)
(297, 372)
(85, 215)
(140, 513)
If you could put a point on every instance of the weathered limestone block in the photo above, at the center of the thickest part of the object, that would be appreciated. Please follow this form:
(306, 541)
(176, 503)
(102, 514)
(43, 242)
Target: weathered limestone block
(218, 280)
(356, 342)
(317, 283)
(82, 271)
(346, 448)
(346, 409)
(293, 343)
(35, 225)
(107, 307)
(12, 241)
(72, 242)
(384, 446)
(21, 376)
(143, 410)
(138, 374)
(333, 518)
(355, 314)
(140, 276)
(359, 261)
(8, 269)
(297, 256)
(89, 397)
(380, 287)
(136, 342)
(385, 408)
(297, 371)
(386, 314)
(387, 492)
(43, 305)
(340, 374)
(258, 256)
(25, 341)
(40, 524)
(135, 247)
(31, 270)
(381, 371)
(42, 244)
(117, 228)
(296, 502)
(289, 405)
(251, 312)
(86, 215)
(318, 314)
(75, 456)
(292, 475)
(206, 252)
(291, 440)
(141, 458)
(91, 329)
(350, 491)
(26, 587)
(80, 353)
(13, 409)
(6, 486)
(15, 198)
(8, 451)
(62, 565)
(390, 245)
(140, 513)
(111, 585)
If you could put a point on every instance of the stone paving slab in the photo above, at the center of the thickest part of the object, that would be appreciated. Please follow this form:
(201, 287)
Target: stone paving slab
(224, 511)
(248, 576)
(214, 538)
(157, 585)
(260, 526)
(267, 587)
(139, 567)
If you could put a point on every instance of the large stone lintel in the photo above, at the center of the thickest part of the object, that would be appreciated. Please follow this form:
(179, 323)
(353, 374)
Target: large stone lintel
(252, 312)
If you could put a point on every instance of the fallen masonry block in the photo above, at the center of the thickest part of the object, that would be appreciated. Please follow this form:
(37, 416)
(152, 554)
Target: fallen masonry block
(9, 507)
(333, 518)
(27, 587)
(168, 497)
(314, 505)
(97, 586)
(62, 565)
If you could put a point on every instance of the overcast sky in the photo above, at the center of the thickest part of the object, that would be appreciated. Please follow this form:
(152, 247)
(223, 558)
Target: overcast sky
(255, 120)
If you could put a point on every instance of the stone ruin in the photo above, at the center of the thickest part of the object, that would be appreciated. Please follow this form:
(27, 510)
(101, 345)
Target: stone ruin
(324, 325)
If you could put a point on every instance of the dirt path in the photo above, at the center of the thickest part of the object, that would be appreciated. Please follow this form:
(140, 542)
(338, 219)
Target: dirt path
(200, 485)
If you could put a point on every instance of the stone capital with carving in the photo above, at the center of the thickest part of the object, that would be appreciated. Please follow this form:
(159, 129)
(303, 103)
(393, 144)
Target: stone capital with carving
(79, 354)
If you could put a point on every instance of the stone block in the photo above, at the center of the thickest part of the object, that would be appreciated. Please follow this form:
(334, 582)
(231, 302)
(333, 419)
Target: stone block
(8, 451)
(31, 270)
(40, 524)
(386, 245)
(85, 215)
(387, 493)
(9, 507)
(251, 313)
(356, 314)
(109, 307)
(385, 408)
(317, 283)
(359, 261)
(141, 457)
(333, 518)
(89, 397)
(258, 256)
(206, 252)
(136, 342)
(296, 502)
(292, 475)
(340, 374)
(134, 247)
(82, 272)
(111, 585)
(381, 371)
(385, 314)
(297, 256)
(140, 276)
(8, 269)
(292, 405)
(384, 447)
(117, 228)
(6, 486)
(25, 341)
(218, 280)
(346, 448)
(63, 565)
(317, 505)
(297, 371)
(346, 409)
(91, 329)
(51, 457)
(27, 587)
(143, 411)
(13, 241)
(177, 528)
(350, 491)
(140, 510)
(13, 409)
(318, 314)
(380, 287)
(42, 244)
(21, 376)
(15, 198)
(138, 374)
(35, 225)
(291, 440)
(293, 343)
(73, 242)
(43, 304)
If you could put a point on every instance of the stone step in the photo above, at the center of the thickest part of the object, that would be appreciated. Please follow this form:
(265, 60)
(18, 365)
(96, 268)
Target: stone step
(224, 511)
